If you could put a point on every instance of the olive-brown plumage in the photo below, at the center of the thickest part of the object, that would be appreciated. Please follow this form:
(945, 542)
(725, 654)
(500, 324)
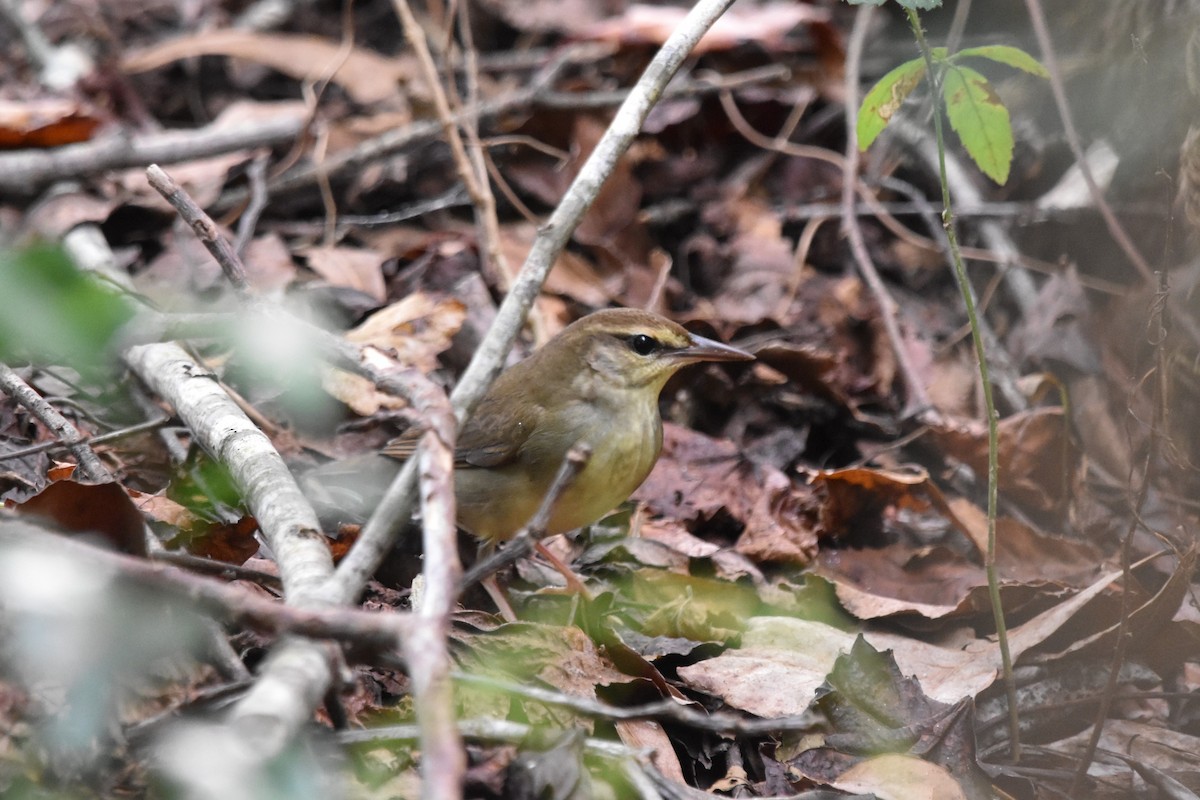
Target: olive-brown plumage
(596, 383)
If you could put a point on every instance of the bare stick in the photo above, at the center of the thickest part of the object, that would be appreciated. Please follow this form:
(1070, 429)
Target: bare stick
(256, 176)
(287, 521)
(205, 229)
(23, 172)
(226, 603)
(90, 465)
(635, 764)
(443, 760)
(393, 141)
(915, 396)
(699, 86)
(479, 729)
(474, 178)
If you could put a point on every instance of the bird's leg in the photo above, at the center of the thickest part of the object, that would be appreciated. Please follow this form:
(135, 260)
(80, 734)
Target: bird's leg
(492, 586)
(574, 584)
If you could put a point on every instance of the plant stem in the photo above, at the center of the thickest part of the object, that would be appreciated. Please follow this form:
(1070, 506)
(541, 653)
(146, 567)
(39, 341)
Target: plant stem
(964, 286)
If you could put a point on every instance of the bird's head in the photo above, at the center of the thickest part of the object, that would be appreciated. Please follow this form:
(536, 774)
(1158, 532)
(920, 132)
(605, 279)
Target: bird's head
(635, 350)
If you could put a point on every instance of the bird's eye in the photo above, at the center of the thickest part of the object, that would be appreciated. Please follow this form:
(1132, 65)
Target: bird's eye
(642, 344)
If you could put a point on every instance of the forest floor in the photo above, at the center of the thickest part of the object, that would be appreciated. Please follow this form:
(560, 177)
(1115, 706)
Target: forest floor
(794, 603)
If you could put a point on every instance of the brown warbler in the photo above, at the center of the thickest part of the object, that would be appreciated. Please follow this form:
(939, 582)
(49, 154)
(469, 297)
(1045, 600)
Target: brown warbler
(595, 383)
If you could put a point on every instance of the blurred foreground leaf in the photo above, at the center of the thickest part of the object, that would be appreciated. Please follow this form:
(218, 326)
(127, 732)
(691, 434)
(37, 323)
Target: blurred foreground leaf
(56, 314)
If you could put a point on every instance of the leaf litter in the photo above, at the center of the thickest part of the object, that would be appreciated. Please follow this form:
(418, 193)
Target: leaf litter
(801, 549)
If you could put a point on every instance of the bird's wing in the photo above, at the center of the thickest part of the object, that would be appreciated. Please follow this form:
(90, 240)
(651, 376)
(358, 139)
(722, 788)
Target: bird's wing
(494, 436)
(491, 438)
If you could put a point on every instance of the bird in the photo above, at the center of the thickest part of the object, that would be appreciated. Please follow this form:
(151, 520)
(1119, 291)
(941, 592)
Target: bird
(596, 385)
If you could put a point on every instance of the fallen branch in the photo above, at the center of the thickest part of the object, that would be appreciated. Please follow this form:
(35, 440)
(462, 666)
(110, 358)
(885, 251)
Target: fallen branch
(23, 172)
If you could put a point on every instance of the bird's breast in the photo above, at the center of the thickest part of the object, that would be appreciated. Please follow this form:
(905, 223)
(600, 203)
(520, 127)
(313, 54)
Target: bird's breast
(624, 448)
(625, 439)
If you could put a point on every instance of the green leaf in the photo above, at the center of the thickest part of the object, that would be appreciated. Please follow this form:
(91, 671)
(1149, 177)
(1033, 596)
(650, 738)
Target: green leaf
(55, 314)
(1003, 54)
(980, 120)
(885, 98)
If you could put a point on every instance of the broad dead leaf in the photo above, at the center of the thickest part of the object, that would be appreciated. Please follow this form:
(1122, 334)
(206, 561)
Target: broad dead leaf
(766, 25)
(411, 332)
(366, 76)
(698, 479)
(46, 122)
(900, 777)
(349, 267)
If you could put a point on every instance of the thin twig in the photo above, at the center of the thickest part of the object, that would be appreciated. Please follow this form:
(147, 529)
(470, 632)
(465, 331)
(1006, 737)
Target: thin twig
(256, 176)
(227, 603)
(668, 710)
(915, 397)
(479, 729)
(537, 93)
(297, 672)
(709, 83)
(202, 225)
(473, 179)
(90, 465)
(1157, 326)
(443, 760)
(487, 220)
(132, 430)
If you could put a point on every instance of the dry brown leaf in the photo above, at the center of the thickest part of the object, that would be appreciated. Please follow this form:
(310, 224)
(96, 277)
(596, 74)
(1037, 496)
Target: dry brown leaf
(776, 671)
(763, 263)
(1148, 743)
(782, 660)
(765, 25)
(365, 75)
(949, 673)
(698, 478)
(57, 214)
(646, 734)
(611, 226)
(411, 332)
(162, 508)
(101, 510)
(1145, 622)
(46, 122)
(950, 383)
(349, 267)
(571, 276)
(1037, 459)
(937, 582)
(549, 15)
(900, 777)
(858, 497)
(674, 535)
(269, 265)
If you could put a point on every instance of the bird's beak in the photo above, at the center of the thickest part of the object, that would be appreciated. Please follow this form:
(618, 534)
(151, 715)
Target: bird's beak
(702, 349)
